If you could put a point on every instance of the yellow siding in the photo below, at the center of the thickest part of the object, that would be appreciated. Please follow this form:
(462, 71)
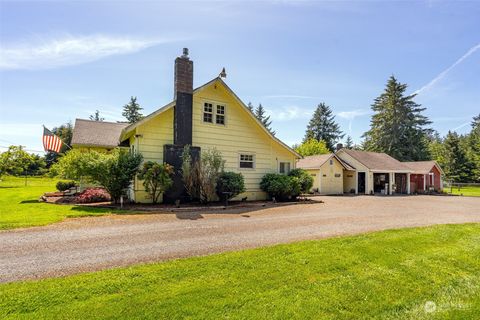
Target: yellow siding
(240, 134)
(359, 168)
(315, 173)
(331, 180)
(152, 135)
(349, 181)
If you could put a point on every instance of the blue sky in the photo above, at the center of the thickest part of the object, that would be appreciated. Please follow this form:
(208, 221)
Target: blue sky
(63, 60)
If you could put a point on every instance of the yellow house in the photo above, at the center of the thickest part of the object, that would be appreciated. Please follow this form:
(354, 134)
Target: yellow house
(210, 116)
(327, 171)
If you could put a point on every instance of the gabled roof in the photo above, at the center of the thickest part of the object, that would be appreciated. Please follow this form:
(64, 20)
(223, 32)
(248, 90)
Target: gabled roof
(90, 133)
(376, 161)
(423, 167)
(130, 128)
(316, 161)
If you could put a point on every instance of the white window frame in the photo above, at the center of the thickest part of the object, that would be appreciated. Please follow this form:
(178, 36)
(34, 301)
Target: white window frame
(240, 154)
(280, 166)
(204, 112)
(214, 113)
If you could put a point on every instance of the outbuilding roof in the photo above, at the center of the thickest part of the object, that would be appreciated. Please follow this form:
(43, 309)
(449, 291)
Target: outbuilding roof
(422, 167)
(377, 161)
(90, 133)
(316, 161)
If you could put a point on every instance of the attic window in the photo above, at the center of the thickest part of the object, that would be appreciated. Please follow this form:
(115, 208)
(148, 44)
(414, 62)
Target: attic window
(207, 112)
(220, 116)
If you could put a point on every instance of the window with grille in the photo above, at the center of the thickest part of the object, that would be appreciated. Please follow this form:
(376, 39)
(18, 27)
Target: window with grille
(247, 161)
(207, 112)
(220, 116)
(284, 167)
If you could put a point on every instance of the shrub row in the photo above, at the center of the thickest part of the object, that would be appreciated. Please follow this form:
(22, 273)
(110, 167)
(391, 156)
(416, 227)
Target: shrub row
(286, 187)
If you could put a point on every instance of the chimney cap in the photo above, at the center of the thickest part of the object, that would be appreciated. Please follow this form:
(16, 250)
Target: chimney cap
(339, 146)
(185, 53)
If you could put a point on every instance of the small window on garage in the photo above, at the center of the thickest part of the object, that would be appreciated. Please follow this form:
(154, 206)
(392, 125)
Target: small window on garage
(284, 167)
(247, 161)
(331, 162)
(207, 112)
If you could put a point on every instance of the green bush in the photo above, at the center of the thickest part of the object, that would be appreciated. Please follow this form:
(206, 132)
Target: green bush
(65, 185)
(305, 179)
(230, 182)
(157, 178)
(280, 186)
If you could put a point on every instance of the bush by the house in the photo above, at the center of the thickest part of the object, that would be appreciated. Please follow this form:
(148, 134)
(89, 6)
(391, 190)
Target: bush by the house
(280, 186)
(114, 171)
(65, 185)
(200, 177)
(229, 185)
(93, 195)
(305, 179)
(157, 178)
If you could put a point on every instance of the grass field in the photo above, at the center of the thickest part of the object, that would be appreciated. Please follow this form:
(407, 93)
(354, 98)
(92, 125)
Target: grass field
(422, 273)
(19, 206)
(466, 191)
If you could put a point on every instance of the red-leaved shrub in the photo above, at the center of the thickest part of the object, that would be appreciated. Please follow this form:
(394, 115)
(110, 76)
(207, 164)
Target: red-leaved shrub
(92, 195)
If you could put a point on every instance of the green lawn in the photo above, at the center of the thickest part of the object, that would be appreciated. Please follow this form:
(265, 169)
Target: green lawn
(466, 191)
(400, 274)
(19, 206)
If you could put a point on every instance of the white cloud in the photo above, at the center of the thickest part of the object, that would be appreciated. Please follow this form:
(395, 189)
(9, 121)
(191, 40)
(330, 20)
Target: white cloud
(69, 50)
(289, 113)
(351, 115)
(442, 74)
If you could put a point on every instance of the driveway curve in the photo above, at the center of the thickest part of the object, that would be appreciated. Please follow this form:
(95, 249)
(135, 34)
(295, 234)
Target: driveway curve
(95, 243)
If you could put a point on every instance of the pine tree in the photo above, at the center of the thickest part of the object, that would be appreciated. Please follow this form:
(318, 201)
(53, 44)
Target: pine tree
(349, 143)
(96, 116)
(263, 118)
(131, 111)
(474, 147)
(322, 126)
(397, 127)
(456, 165)
(250, 107)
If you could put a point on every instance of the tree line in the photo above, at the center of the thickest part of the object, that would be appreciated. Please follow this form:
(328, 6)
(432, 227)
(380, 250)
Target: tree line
(397, 128)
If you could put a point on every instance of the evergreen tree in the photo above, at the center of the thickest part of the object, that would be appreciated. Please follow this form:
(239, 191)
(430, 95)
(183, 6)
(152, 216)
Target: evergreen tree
(397, 127)
(131, 111)
(474, 147)
(250, 107)
(456, 165)
(322, 126)
(349, 143)
(96, 116)
(263, 118)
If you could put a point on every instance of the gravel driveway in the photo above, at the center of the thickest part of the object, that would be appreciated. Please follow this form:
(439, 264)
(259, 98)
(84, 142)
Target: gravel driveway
(89, 244)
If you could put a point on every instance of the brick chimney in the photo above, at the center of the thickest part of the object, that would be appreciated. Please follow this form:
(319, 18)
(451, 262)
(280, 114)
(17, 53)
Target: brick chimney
(183, 74)
(339, 146)
(184, 99)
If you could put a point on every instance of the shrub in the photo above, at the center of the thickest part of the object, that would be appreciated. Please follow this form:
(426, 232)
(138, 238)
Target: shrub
(65, 185)
(305, 179)
(157, 178)
(93, 195)
(280, 186)
(200, 177)
(231, 182)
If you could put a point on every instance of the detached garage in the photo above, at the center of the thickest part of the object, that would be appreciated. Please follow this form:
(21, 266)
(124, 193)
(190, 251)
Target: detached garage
(327, 172)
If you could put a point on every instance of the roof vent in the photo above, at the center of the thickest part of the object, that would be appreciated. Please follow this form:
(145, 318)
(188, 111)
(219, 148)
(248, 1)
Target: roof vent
(223, 74)
(185, 53)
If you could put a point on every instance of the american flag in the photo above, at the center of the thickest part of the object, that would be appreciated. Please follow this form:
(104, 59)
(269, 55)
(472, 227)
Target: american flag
(50, 141)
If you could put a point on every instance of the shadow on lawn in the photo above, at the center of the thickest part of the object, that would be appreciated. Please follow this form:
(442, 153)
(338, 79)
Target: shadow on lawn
(29, 201)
